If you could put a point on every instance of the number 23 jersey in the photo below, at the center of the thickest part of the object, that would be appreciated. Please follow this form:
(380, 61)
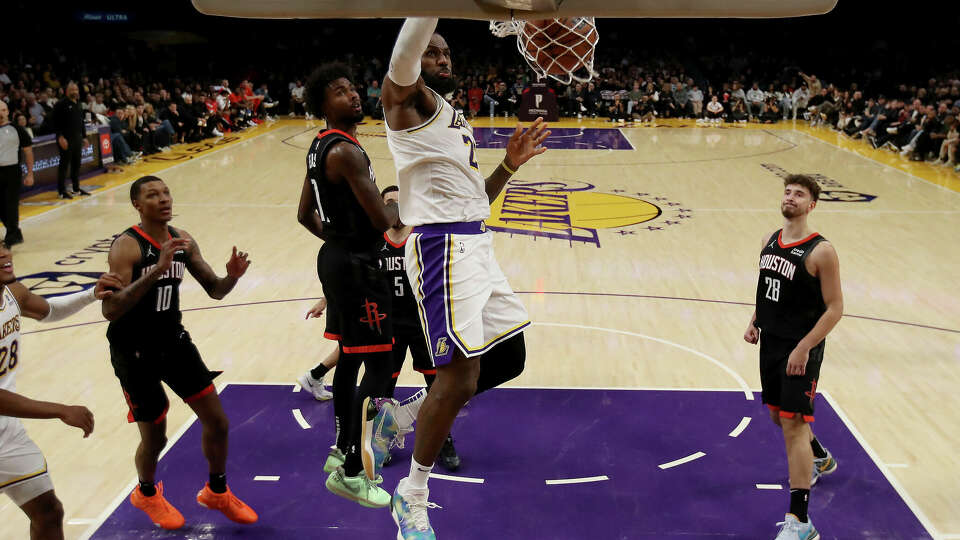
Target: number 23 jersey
(789, 299)
(157, 314)
(437, 170)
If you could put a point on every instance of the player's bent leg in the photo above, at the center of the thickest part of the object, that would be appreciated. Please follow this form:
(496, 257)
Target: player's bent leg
(504, 362)
(376, 383)
(46, 516)
(455, 384)
(215, 494)
(775, 415)
(153, 439)
(215, 430)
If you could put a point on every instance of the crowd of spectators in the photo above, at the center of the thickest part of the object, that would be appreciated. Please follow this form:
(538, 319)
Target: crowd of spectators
(919, 120)
(144, 117)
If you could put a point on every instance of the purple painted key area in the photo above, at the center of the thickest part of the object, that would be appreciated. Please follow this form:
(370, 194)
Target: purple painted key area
(515, 439)
(560, 138)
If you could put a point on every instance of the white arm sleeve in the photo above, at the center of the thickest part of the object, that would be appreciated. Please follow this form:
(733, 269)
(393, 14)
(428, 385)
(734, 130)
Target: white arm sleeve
(62, 307)
(414, 37)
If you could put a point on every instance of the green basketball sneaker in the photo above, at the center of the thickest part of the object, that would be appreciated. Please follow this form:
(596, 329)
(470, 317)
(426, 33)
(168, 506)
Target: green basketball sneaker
(334, 459)
(358, 488)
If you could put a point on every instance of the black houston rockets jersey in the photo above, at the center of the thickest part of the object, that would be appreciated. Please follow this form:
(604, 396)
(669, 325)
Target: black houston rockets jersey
(789, 299)
(404, 303)
(345, 223)
(157, 314)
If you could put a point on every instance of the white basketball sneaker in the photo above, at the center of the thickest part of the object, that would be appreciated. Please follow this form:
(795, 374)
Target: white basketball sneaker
(315, 387)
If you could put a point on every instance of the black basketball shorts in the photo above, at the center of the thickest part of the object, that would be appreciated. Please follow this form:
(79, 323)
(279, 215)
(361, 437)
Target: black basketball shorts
(142, 367)
(407, 336)
(359, 300)
(789, 395)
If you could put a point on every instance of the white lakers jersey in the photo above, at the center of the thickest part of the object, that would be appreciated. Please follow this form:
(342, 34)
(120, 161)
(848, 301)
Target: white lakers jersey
(437, 171)
(9, 357)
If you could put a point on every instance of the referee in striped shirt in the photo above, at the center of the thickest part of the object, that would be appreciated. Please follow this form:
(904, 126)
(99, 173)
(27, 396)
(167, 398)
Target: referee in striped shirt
(12, 140)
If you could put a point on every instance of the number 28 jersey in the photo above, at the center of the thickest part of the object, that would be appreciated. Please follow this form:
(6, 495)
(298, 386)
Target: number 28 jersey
(789, 299)
(157, 314)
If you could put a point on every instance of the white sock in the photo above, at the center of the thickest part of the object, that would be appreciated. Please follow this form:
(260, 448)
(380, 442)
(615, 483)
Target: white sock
(406, 413)
(418, 475)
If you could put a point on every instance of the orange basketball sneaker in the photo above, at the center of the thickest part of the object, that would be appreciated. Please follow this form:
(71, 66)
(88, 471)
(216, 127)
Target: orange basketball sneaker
(160, 512)
(228, 503)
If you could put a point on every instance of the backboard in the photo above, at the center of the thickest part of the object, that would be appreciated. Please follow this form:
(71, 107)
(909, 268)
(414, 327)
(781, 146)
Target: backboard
(507, 9)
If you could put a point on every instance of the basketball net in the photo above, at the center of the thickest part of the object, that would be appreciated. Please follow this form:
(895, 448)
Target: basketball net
(530, 50)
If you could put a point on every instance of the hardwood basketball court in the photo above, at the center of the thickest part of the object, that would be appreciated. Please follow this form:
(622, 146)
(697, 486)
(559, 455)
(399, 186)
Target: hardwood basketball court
(637, 265)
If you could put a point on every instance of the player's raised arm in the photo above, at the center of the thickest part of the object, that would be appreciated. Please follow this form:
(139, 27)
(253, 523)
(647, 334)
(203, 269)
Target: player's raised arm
(215, 286)
(345, 161)
(404, 71)
(406, 100)
(124, 254)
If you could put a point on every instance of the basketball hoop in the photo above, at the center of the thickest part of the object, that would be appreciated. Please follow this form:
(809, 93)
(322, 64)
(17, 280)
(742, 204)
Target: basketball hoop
(562, 49)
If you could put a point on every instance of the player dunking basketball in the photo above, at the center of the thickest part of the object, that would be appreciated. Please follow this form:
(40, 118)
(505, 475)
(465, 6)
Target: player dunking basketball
(340, 204)
(23, 469)
(799, 301)
(471, 318)
(148, 344)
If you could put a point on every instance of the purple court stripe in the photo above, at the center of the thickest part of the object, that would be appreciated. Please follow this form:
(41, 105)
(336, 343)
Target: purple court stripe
(508, 437)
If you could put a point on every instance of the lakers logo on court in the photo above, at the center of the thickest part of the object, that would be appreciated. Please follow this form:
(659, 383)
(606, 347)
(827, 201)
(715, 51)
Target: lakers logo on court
(573, 211)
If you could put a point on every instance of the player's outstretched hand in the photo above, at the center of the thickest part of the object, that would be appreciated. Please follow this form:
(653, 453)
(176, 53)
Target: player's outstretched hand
(108, 284)
(168, 249)
(317, 309)
(238, 263)
(78, 416)
(752, 335)
(797, 363)
(526, 143)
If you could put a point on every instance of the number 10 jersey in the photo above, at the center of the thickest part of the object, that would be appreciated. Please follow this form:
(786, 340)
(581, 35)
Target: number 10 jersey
(157, 314)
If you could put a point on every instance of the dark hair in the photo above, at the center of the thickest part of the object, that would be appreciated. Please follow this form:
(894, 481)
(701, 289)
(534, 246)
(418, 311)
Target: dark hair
(803, 180)
(318, 82)
(388, 189)
(135, 186)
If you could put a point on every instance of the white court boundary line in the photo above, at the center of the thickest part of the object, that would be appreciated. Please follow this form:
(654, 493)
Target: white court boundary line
(740, 427)
(911, 504)
(681, 461)
(89, 201)
(465, 479)
(875, 162)
(564, 481)
(298, 416)
(736, 376)
(266, 478)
